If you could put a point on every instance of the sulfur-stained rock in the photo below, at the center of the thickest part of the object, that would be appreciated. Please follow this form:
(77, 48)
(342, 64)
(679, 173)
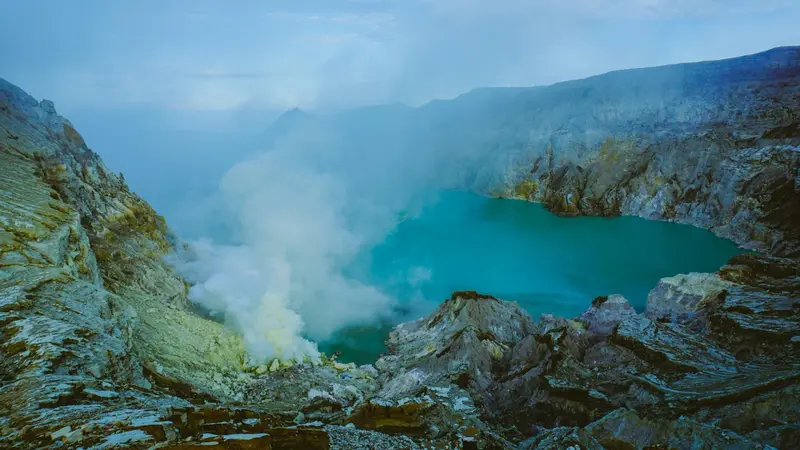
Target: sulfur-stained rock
(712, 145)
(86, 299)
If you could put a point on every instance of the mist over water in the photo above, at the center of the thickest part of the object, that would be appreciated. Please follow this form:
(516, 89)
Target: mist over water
(339, 227)
(317, 266)
(519, 251)
(294, 220)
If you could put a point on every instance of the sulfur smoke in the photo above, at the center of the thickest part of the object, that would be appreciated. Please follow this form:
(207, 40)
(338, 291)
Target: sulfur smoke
(301, 213)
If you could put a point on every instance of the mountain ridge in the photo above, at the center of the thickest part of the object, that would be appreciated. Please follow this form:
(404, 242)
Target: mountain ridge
(518, 145)
(792, 51)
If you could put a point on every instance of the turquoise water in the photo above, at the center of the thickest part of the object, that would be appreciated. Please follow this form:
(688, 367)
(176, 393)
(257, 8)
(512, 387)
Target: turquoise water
(519, 251)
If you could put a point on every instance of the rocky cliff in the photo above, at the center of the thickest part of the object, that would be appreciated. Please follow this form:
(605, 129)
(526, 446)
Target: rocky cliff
(711, 144)
(100, 348)
(89, 310)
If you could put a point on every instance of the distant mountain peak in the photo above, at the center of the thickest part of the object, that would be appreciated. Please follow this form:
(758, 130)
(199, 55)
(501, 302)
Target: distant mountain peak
(289, 120)
(294, 112)
(291, 117)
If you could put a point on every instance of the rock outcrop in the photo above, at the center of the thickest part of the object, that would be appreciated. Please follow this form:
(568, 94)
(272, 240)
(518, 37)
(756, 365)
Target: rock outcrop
(480, 370)
(100, 348)
(93, 321)
(612, 378)
(710, 144)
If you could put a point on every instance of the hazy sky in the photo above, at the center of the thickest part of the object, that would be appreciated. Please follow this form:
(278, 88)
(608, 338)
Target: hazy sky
(212, 55)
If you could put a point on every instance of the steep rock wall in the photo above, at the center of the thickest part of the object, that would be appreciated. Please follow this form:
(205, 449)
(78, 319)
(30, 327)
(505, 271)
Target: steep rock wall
(86, 302)
(715, 145)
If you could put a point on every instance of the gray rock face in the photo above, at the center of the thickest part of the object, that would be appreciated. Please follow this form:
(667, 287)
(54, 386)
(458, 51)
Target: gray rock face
(612, 378)
(679, 298)
(459, 344)
(714, 145)
(605, 314)
(623, 426)
(89, 311)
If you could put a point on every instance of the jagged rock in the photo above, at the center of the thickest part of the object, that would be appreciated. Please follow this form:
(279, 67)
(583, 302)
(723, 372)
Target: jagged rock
(458, 344)
(563, 335)
(284, 438)
(407, 418)
(678, 298)
(234, 441)
(439, 411)
(566, 374)
(759, 314)
(439, 365)
(764, 272)
(350, 438)
(605, 314)
(319, 392)
(546, 383)
(86, 299)
(624, 429)
(134, 438)
(771, 418)
(561, 439)
(671, 346)
(711, 144)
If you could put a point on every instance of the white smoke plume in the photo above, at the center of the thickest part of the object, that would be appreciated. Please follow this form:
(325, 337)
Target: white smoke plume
(302, 219)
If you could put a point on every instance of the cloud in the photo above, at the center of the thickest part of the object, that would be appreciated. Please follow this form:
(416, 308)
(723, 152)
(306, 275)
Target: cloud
(198, 16)
(608, 9)
(329, 38)
(411, 51)
(221, 74)
(369, 19)
(301, 224)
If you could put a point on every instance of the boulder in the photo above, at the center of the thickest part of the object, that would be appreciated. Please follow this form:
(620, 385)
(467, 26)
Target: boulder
(459, 344)
(680, 298)
(605, 314)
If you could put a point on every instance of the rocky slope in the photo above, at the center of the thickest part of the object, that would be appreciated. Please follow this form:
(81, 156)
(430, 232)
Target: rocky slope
(88, 307)
(100, 348)
(712, 144)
